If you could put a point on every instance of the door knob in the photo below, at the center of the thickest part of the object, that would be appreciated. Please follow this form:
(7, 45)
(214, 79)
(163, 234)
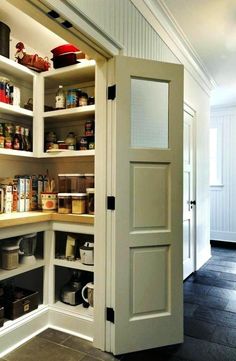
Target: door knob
(192, 203)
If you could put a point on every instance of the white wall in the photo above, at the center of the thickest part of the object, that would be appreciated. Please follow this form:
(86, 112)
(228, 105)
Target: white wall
(121, 21)
(223, 205)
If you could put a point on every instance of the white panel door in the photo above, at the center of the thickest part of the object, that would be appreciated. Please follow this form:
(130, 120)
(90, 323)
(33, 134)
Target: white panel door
(146, 265)
(189, 198)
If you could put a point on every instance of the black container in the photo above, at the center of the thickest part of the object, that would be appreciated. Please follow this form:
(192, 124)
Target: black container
(4, 39)
(64, 60)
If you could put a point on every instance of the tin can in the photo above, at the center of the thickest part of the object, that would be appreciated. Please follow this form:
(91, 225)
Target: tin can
(72, 98)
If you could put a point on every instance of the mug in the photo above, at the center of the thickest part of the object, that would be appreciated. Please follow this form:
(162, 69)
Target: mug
(90, 290)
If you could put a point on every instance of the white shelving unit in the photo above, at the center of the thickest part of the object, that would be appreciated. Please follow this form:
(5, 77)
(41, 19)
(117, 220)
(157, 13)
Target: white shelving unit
(52, 311)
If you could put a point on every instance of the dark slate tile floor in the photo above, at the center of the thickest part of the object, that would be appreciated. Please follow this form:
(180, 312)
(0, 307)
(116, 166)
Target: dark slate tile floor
(209, 323)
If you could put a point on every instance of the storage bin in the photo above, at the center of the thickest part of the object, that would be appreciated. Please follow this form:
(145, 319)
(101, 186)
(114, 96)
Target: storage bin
(22, 301)
(71, 183)
(64, 203)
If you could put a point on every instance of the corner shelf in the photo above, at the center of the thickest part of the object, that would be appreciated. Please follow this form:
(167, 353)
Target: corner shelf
(73, 264)
(22, 268)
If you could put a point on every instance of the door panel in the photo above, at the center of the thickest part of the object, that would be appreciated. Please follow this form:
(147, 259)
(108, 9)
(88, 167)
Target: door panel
(147, 224)
(189, 195)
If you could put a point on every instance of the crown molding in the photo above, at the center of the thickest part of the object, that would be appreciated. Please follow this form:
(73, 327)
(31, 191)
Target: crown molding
(160, 18)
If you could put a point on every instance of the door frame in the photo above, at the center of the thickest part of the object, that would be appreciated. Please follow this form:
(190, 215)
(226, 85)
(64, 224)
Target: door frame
(190, 110)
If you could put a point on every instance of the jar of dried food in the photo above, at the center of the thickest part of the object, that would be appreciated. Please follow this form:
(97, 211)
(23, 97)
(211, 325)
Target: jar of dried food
(79, 203)
(71, 141)
(64, 203)
(10, 257)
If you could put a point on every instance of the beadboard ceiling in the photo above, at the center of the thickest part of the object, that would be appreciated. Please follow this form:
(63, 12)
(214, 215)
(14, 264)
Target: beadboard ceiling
(210, 28)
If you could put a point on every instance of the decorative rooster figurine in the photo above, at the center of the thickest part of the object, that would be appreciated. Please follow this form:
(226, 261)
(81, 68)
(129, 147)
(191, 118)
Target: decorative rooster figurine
(33, 62)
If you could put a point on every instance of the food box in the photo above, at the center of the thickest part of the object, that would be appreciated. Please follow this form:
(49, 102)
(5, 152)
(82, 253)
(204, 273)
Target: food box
(1, 315)
(22, 301)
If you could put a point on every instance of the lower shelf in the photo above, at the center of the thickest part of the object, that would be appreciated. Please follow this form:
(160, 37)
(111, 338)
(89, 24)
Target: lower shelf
(22, 268)
(78, 310)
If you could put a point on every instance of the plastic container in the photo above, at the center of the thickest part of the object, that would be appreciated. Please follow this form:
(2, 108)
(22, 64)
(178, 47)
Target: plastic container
(71, 183)
(90, 200)
(64, 203)
(79, 203)
(10, 257)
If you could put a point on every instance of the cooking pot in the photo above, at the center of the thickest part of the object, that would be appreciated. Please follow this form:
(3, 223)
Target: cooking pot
(4, 39)
(64, 60)
(62, 49)
(87, 253)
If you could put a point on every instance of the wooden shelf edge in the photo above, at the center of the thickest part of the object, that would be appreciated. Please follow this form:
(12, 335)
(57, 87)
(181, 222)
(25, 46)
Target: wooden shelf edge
(16, 219)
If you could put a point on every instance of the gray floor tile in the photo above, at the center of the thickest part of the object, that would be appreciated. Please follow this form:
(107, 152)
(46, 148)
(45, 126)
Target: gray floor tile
(225, 336)
(200, 350)
(39, 349)
(54, 335)
(76, 343)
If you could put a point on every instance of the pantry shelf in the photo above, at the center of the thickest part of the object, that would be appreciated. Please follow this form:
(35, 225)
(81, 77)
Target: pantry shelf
(4, 274)
(78, 310)
(57, 153)
(73, 264)
(11, 69)
(84, 112)
(13, 110)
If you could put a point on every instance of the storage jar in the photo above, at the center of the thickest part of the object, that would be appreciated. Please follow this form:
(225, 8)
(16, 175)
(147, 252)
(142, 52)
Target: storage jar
(10, 257)
(64, 203)
(79, 203)
(90, 200)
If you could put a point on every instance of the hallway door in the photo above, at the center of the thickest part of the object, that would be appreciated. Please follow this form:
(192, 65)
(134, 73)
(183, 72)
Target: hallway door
(147, 182)
(189, 246)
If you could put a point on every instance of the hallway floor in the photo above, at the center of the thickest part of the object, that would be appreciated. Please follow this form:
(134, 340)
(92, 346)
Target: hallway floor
(209, 323)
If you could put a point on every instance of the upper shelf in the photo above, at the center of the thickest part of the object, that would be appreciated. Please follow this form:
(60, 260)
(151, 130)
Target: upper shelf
(78, 112)
(13, 110)
(11, 69)
(72, 74)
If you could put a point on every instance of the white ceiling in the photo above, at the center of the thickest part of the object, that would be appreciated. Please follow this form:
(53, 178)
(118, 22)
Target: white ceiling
(210, 27)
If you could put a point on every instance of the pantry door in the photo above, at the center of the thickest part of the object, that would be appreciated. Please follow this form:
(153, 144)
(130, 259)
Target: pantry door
(146, 262)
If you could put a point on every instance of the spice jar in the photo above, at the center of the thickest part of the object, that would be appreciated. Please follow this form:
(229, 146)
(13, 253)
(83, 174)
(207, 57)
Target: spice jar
(89, 128)
(10, 257)
(83, 99)
(71, 141)
(90, 200)
(79, 203)
(64, 203)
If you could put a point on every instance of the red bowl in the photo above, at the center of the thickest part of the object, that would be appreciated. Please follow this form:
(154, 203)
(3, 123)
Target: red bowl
(62, 49)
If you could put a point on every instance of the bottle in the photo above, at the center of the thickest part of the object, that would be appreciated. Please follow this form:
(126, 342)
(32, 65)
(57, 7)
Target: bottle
(28, 142)
(17, 142)
(2, 138)
(60, 98)
(23, 141)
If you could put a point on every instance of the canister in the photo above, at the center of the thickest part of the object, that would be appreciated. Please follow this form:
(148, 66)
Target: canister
(64, 203)
(89, 180)
(71, 183)
(79, 203)
(10, 257)
(90, 200)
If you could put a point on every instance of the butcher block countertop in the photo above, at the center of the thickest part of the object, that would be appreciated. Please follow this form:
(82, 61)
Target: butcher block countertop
(19, 218)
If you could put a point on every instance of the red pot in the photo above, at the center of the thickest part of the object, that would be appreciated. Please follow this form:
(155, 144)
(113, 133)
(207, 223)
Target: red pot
(62, 49)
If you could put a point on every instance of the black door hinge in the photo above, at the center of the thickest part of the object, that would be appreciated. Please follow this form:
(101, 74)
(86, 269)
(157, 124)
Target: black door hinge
(111, 92)
(110, 315)
(111, 203)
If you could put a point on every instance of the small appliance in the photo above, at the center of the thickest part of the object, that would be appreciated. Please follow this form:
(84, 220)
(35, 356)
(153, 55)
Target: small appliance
(87, 253)
(27, 244)
(71, 291)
